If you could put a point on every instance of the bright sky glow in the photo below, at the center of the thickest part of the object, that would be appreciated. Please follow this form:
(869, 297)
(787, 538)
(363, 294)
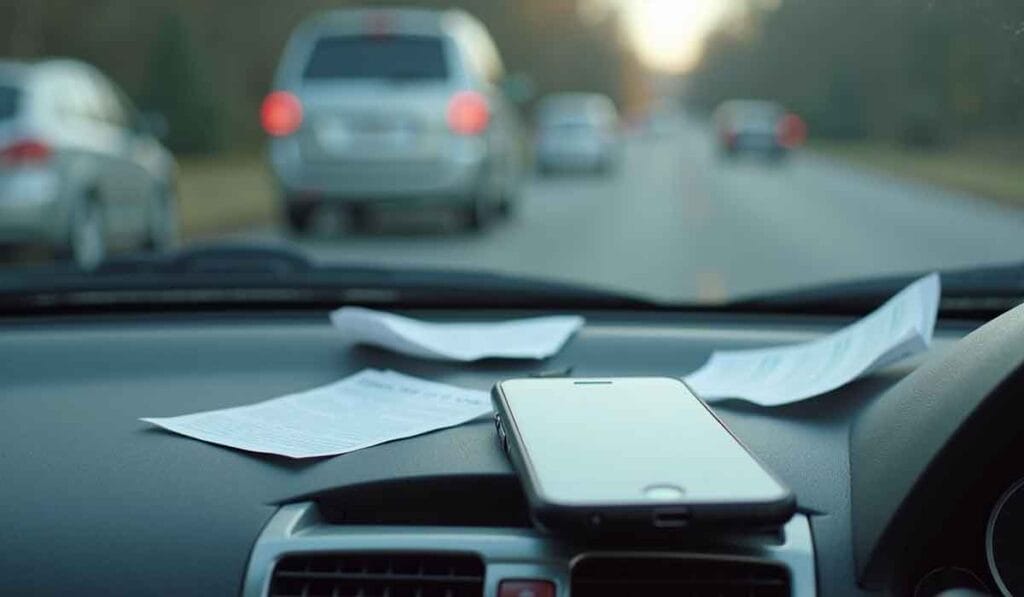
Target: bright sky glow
(668, 33)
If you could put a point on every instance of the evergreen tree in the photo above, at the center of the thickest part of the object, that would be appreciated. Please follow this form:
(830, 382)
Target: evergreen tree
(178, 87)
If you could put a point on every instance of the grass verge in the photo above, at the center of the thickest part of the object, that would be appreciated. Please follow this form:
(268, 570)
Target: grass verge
(990, 169)
(224, 194)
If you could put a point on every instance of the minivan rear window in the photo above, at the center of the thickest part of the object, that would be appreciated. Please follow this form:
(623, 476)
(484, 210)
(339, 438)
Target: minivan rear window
(9, 97)
(404, 57)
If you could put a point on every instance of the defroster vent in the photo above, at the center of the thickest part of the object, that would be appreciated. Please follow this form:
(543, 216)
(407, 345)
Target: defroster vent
(378, 575)
(686, 576)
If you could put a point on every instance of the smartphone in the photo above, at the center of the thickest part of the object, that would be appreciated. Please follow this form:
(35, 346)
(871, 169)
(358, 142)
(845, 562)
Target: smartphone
(630, 454)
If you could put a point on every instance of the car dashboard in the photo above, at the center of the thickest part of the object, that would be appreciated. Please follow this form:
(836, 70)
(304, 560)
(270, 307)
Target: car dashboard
(95, 499)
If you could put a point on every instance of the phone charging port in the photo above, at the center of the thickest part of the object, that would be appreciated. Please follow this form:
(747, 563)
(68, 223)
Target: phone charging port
(671, 518)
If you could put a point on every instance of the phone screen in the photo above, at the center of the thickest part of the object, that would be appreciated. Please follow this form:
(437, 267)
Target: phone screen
(630, 440)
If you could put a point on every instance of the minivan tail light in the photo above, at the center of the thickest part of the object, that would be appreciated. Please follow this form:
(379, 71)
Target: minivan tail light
(281, 114)
(25, 152)
(380, 23)
(468, 113)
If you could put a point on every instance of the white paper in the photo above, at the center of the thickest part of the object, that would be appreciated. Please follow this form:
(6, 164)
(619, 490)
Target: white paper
(901, 327)
(534, 338)
(362, 410)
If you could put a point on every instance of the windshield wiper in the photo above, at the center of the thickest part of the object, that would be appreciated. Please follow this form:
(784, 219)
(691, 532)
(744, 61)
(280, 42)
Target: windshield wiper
(278, 276)
(975, 292)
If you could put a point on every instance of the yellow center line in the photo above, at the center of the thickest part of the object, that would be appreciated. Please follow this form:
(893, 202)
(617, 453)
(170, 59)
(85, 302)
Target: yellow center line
(711, 287)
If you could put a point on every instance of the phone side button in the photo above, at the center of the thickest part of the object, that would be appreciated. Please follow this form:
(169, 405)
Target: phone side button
(502, 438)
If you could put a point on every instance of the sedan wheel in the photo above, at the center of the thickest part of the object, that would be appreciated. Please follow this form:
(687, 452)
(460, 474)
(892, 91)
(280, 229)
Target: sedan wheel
(478, 213)
(88, 240)
(163, 223)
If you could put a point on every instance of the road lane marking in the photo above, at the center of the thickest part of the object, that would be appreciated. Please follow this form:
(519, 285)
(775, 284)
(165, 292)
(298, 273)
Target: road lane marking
(711, 287)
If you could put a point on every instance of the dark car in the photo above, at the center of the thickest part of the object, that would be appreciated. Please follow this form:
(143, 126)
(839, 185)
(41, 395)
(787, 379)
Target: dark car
(757, 127)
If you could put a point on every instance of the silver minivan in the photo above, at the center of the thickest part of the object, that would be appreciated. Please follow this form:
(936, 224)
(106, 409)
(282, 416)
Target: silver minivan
(80, 172)
(389, 106)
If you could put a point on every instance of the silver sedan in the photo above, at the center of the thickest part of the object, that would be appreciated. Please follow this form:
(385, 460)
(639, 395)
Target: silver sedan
(80, 171)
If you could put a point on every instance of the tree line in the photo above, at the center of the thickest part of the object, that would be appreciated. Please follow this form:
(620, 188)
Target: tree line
(921, 72)
(207, 65)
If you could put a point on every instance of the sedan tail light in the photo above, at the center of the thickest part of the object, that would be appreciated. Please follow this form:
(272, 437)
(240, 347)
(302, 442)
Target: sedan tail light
(281, 114)
(25, 152)
(468, 113)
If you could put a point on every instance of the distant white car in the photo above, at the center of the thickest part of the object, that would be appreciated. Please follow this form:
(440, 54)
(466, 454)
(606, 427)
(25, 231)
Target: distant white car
(577, 131)
(80, 171)
(384, 106)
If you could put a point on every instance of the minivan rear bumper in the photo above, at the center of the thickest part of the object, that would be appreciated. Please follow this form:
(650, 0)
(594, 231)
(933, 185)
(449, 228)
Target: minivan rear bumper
(451, 177)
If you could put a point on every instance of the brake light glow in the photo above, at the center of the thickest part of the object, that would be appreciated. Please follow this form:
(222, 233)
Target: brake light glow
(791, 131)
(25, 152)
(281, 114)
(379, 23)
(730, 136)
(468, 113)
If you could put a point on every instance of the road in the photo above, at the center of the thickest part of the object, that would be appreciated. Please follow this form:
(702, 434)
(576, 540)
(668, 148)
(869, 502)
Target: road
(676, 223)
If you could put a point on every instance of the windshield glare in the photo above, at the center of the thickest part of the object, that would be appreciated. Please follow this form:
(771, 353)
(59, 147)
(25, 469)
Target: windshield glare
(686, 151)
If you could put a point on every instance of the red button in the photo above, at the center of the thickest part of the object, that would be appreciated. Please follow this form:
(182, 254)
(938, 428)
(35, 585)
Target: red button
(526, 588)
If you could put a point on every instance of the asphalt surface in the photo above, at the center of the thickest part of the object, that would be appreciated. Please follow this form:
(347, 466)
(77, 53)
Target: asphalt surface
(677, 223)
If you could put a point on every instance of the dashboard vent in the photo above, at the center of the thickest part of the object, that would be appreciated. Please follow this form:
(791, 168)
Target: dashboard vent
(653, 576)
(378, 575)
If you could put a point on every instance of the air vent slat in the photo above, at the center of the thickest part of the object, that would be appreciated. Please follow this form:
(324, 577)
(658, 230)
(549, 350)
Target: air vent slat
(678, 576)
(378, 575)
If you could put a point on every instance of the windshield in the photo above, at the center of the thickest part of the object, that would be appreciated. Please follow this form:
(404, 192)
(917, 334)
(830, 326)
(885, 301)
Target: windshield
(688, 152)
